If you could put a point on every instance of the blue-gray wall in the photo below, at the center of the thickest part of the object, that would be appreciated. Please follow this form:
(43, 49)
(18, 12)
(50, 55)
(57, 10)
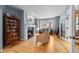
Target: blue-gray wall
(56, 23)
(19, 13)
(21, 16)
(12, 11)
(66, 23)
(1, 29)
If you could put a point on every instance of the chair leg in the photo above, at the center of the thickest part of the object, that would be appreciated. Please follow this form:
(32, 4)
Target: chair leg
(36, 42)
(43, 44)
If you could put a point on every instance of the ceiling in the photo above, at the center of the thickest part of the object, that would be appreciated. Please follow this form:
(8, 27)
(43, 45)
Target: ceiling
(42, 11)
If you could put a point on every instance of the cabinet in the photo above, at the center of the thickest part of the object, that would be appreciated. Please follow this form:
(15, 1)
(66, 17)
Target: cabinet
(10, 30)
(77, 24)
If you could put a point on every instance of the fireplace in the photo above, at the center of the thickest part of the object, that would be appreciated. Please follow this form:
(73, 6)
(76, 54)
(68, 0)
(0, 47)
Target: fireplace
(30, 32)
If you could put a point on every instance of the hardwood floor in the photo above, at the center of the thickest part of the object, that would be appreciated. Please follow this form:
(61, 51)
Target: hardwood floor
(55, 45)
(77, 45)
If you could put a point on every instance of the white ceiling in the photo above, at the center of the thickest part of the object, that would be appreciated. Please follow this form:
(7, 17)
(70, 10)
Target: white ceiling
(42, 11)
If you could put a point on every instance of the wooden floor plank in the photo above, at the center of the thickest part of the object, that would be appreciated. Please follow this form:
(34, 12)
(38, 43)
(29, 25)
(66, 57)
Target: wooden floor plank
(55, 45)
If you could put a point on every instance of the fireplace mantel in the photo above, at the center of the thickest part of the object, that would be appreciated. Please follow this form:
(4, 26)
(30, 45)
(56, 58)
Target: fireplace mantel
(31, 26)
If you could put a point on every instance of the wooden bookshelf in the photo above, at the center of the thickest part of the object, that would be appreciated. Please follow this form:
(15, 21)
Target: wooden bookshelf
(10, 30)
(77, 24)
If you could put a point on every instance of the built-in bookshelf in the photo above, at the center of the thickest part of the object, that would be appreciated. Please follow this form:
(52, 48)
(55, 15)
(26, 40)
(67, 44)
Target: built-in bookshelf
(10, 30)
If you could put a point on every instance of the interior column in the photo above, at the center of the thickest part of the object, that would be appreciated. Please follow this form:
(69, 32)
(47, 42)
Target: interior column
(72, 17)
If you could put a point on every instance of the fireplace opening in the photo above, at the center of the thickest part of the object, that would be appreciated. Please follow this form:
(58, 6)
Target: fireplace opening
(30, 32)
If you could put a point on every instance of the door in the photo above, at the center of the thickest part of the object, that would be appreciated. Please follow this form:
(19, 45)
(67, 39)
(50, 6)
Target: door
(77, 24)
